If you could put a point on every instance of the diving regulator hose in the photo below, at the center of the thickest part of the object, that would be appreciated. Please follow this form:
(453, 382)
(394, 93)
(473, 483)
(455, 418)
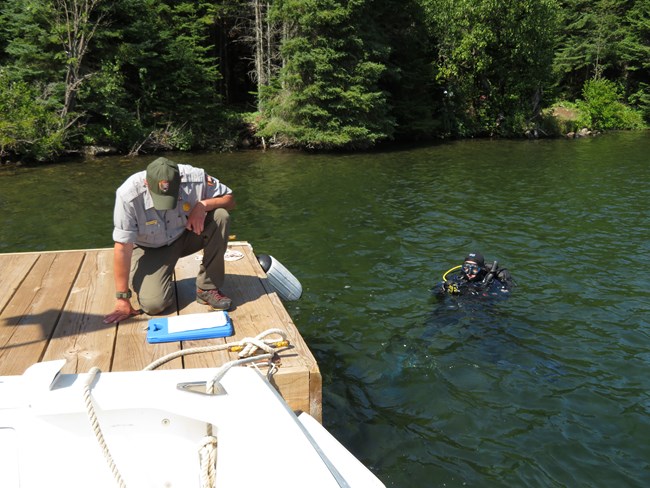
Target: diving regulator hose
(450, 287)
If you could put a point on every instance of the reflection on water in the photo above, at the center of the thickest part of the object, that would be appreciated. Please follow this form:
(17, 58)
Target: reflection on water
(546, 388)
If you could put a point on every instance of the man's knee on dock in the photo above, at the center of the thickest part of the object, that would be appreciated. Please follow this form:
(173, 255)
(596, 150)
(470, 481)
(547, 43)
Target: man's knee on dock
(154, 305)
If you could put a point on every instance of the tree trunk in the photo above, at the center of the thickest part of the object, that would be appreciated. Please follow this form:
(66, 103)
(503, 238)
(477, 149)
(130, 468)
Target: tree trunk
(75, 28)
(259, 45)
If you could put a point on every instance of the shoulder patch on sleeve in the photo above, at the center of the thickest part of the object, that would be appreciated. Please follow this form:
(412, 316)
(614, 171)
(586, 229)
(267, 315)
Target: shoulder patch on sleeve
(190, 174)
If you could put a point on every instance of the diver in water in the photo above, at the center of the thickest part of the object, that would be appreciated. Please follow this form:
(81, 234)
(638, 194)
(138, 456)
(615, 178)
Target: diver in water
(475, 278)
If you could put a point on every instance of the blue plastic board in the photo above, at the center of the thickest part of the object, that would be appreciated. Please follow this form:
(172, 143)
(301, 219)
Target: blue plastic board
(189, 327)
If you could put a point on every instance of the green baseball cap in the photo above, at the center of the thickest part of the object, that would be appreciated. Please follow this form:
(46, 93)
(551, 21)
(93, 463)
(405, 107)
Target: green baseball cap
(163, 181)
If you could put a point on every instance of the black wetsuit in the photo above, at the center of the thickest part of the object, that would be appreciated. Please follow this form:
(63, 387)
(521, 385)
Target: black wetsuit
(493, 282)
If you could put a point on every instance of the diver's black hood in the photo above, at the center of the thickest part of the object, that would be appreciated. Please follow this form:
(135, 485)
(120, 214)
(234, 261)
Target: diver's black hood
(476, 258)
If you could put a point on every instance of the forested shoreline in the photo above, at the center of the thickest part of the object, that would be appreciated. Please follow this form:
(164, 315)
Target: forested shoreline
(142, 76)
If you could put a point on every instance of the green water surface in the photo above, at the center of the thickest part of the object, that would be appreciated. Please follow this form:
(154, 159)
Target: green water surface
(547, 388)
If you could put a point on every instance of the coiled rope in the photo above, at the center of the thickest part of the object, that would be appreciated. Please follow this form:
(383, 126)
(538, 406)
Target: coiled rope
(208, 461)
(246, 347)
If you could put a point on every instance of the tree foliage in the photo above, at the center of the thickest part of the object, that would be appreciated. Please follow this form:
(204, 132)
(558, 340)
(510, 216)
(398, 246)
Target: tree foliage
(28, 125)
(147, 75)
(159, 75)
(602, 109)
(604, 39)
(327, 94)
(494, 60)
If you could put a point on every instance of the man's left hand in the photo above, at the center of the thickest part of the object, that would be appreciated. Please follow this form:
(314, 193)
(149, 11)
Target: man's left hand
(196, 219)
(123, 310)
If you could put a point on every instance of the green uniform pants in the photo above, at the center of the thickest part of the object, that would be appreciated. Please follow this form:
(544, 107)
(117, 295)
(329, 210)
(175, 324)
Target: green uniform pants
(152, 268)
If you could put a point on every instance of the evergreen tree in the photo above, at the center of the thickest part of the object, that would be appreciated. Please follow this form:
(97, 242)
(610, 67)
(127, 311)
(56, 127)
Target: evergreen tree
(586, 44)
(163, 74)
(159, 72)
(605, 39)
(397, 32)
(634, 51)
(34, 73)
(33, 53)
(130, 68)
(327, 94)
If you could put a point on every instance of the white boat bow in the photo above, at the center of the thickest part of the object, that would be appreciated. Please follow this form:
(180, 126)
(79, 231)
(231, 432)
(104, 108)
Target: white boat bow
(160, 429)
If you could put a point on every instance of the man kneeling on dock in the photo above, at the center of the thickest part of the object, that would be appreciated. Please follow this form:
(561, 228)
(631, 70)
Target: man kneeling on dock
(162, 214)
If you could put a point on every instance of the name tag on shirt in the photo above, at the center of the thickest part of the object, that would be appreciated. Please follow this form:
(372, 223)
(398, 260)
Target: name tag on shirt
(152, 222)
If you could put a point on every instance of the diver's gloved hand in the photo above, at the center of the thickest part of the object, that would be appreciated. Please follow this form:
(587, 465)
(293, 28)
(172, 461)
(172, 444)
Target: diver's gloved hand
(451, 288)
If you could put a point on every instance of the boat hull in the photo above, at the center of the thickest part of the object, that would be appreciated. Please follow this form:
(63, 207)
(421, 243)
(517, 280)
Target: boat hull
(153, 430)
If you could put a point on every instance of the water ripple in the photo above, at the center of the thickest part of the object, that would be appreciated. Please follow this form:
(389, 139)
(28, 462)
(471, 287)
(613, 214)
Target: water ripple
(548, 388)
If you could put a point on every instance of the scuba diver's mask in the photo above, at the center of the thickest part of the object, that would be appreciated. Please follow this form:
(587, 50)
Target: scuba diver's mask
(471, 270)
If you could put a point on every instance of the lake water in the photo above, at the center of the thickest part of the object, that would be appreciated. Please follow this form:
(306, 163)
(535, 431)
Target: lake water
(547, 388)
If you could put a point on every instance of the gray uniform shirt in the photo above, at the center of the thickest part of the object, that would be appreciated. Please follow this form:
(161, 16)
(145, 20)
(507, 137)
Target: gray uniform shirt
(137, 221)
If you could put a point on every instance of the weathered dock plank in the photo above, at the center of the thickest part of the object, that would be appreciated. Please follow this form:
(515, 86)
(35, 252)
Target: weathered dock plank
(52, 306)
(12, 273)
(29, 319)
(80, 335)
(133, 352)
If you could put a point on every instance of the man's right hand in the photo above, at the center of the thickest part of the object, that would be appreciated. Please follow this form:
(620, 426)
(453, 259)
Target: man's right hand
(123, 310)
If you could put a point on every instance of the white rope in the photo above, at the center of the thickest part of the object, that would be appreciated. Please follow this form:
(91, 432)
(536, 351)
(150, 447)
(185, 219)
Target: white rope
(209, 386)
(252, 344)
(248, 345)
(97, 430)
(184, 352)
(208, 461)
(208, 449)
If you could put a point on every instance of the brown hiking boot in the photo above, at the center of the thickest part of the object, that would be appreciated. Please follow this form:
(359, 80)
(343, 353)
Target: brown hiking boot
(214, 298)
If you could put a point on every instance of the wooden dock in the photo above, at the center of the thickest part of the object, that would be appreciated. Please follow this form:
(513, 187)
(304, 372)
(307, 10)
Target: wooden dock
(52, 306)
